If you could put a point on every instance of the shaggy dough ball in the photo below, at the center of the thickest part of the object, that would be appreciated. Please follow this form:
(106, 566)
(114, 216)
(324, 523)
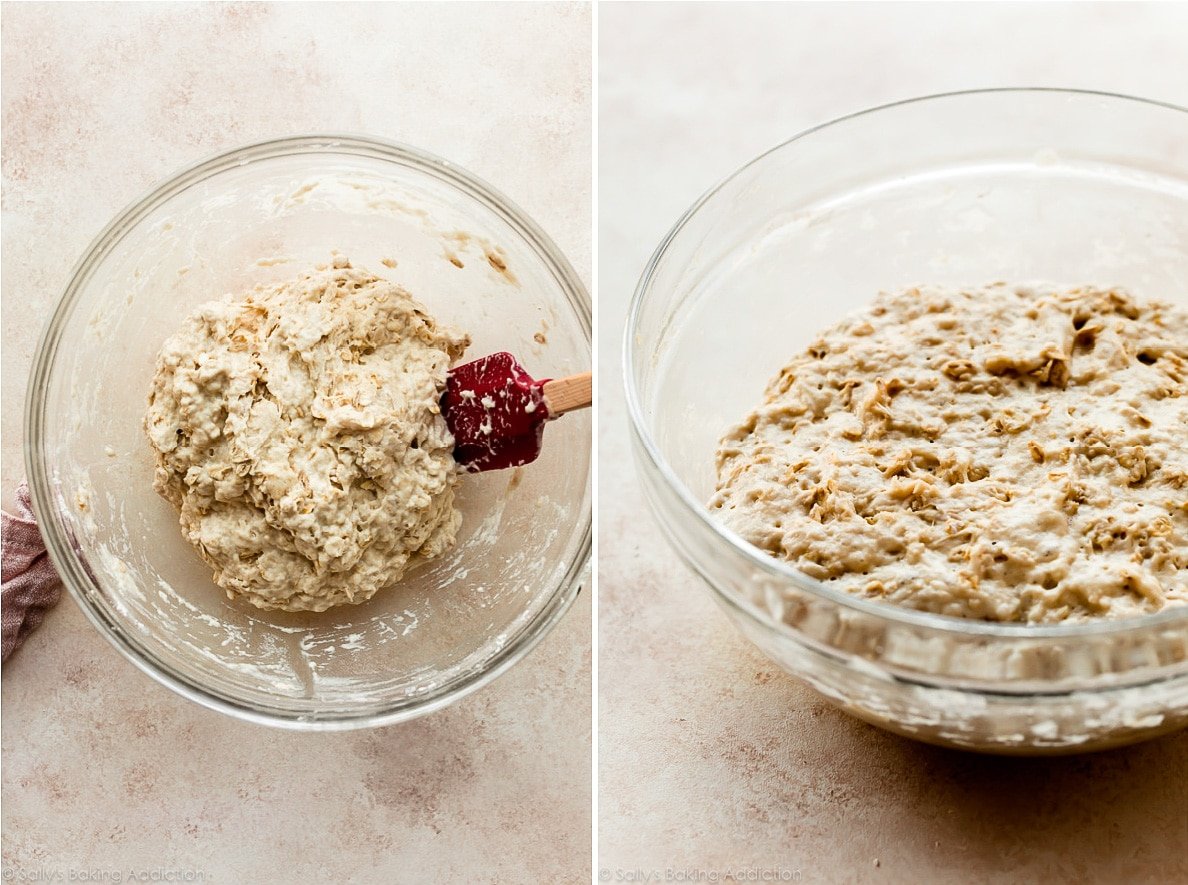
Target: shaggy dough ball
(1009, 453)
(297, 430)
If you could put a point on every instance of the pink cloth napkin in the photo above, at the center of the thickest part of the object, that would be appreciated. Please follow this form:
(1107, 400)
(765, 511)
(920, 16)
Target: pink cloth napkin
(30, 585)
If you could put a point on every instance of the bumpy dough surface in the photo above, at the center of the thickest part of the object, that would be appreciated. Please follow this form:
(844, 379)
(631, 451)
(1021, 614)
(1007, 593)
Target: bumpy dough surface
(1009, 453)
(297, 430)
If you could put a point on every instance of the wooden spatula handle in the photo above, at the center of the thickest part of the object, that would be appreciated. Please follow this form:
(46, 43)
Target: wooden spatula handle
(566, 394)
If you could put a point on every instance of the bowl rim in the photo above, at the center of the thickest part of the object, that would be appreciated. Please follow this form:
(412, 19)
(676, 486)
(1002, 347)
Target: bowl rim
(889, 612)
(75, 574)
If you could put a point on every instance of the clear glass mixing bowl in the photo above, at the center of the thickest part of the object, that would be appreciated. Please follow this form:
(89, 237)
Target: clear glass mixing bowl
(959, 189)
(265, 213)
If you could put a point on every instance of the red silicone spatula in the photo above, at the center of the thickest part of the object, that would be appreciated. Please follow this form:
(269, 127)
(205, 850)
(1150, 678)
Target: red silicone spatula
(497, 411)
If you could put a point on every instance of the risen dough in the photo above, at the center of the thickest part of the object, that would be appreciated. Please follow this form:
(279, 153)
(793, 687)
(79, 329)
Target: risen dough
(1011, 453)
(297, 429)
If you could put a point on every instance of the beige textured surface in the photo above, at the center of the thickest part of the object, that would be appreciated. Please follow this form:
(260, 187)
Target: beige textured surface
(710, 758)
(298, 430)
(105, 770)
(1004, 453)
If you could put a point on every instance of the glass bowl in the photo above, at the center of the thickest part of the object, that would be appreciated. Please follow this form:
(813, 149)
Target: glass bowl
(965, 188)
(263, 214)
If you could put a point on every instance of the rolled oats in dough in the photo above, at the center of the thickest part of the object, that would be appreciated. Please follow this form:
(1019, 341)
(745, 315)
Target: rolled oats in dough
(297, 430)
(1007, 453)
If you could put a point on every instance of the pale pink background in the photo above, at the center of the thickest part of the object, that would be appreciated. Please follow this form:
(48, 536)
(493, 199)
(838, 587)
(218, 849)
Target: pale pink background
(711, 759)
(104, 769)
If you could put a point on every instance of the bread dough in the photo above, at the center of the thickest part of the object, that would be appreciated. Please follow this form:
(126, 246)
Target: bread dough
(297, 430)
(1009, 453)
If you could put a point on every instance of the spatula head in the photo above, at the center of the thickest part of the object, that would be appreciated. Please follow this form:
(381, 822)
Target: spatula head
(496, 412)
